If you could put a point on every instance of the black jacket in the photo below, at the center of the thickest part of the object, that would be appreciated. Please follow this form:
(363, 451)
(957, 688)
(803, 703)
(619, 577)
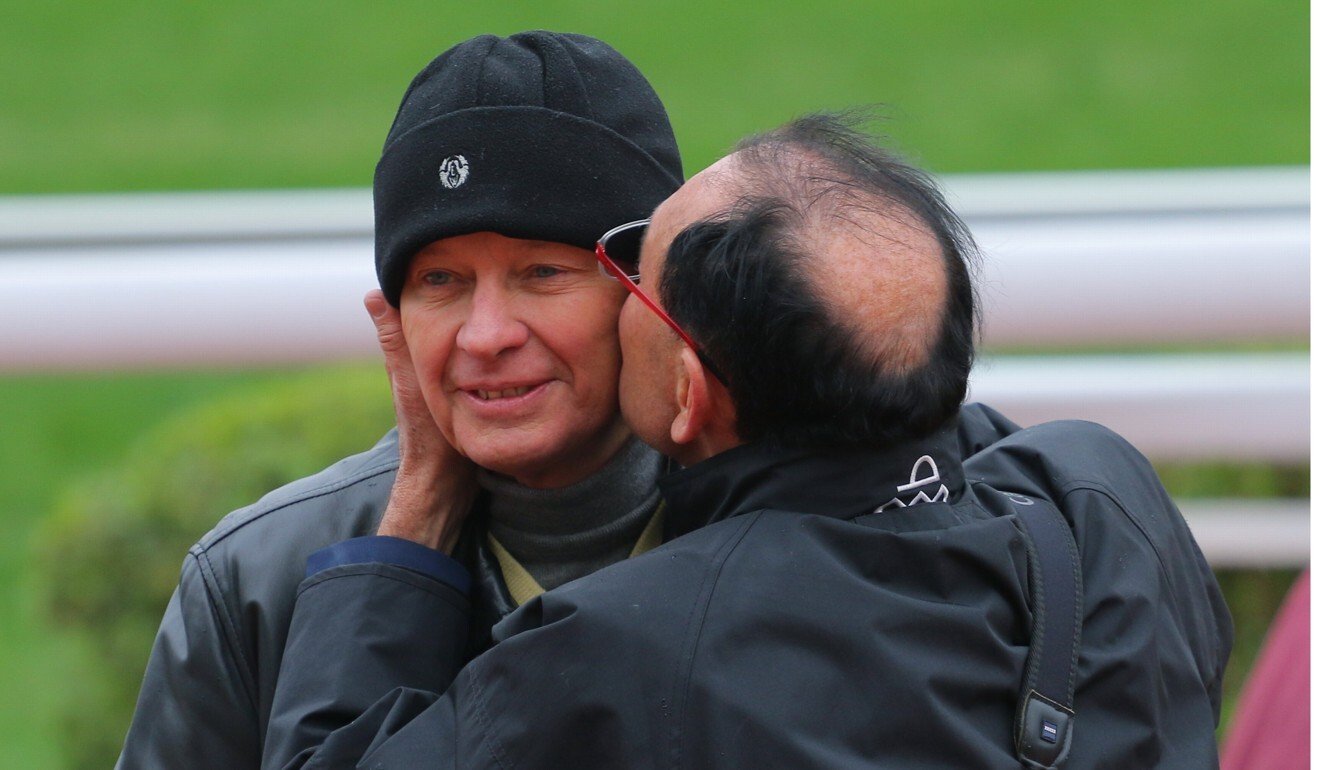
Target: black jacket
(861, 609)
(206, 695)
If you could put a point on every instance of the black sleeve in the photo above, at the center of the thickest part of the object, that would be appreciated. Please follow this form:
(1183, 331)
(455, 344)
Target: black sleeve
(368, 678)
(1156, 632)
(405, 729)
(359, 632)
(195, 708)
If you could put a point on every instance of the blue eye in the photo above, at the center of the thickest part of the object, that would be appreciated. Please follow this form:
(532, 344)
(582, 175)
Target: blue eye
(437, 278)
(545, 271)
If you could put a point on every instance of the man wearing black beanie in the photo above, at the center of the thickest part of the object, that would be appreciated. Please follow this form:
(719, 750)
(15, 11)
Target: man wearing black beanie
(507, 159)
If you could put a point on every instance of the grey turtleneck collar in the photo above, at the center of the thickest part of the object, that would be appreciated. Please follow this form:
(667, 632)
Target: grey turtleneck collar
(559, 535)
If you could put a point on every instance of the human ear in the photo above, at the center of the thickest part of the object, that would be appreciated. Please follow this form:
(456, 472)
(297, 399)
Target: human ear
(693, 397)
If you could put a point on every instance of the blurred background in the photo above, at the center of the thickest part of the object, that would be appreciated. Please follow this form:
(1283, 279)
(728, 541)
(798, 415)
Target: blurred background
(185, 237)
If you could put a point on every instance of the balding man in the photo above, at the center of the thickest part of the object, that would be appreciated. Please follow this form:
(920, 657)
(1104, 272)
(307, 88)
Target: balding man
(843, 585)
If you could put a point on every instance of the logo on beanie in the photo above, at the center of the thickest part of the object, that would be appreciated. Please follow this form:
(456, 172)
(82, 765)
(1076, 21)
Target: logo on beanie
(453, 171)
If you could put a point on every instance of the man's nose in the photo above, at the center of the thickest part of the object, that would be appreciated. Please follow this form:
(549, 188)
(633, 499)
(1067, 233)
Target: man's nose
(492, 327)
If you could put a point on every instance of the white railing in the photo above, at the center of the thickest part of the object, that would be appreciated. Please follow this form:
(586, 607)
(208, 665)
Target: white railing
(1074, 259)
(1097, 260)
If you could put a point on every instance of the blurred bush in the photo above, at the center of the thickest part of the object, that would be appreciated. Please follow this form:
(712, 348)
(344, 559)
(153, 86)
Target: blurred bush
(110, 553)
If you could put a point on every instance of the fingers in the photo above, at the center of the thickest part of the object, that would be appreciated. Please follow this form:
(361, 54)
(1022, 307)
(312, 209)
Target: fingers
(420, 441)
(389, 325)
(389, 335)
(414, 421)
(434, 487)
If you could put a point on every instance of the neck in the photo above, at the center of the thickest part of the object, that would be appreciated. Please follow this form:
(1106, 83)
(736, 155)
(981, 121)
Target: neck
(562, 534)
(567, 471)
(706, 446)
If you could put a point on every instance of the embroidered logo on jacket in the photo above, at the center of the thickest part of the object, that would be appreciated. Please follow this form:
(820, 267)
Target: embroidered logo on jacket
(925, 464)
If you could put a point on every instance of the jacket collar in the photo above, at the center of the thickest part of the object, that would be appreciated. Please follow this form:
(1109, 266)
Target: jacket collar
(839, 484)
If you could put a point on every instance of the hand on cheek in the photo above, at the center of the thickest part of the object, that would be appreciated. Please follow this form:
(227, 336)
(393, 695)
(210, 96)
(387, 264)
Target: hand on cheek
(435, 485)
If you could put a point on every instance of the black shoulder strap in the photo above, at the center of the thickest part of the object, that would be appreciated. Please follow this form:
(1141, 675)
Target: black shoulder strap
(1044, 721)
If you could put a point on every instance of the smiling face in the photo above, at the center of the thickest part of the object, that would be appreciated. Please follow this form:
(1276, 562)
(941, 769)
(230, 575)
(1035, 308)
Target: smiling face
(516, 347)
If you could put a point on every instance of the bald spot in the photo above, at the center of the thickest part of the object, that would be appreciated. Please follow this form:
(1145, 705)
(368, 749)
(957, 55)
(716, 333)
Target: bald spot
(877, 268)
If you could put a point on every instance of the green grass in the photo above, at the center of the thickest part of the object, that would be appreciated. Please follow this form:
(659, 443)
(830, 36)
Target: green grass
(125, 96)
(136, 96)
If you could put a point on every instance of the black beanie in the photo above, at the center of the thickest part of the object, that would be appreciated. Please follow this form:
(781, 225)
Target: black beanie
(541, 135)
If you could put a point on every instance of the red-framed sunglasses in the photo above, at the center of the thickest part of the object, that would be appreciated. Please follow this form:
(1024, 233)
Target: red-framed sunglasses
(619, 252)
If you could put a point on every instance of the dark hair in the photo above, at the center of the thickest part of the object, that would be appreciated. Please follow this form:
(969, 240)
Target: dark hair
(739, 283)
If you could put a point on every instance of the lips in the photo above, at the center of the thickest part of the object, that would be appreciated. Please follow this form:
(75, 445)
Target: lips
(487, 395)
(504, 404)
(491, 392)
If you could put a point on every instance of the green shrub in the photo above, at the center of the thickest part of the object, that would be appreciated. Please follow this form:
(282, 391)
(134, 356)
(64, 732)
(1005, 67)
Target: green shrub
(110, 553)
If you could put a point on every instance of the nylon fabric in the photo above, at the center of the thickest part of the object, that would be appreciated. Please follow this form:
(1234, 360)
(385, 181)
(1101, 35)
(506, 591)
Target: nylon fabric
(867, 609)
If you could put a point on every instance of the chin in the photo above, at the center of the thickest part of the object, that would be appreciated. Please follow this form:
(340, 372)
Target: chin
(515, 461)
(532, 463)
(546, 462)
